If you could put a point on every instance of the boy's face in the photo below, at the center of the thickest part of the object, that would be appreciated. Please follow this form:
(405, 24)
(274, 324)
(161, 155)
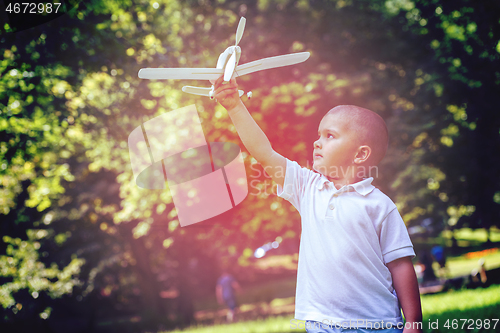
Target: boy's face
(336, 147)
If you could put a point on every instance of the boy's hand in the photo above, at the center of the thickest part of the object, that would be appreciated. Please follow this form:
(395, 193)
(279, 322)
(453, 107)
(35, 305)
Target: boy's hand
(226, 93)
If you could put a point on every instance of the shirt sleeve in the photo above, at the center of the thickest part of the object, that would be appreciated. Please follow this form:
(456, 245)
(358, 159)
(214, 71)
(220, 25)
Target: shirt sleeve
(394, 239)
(297, 179)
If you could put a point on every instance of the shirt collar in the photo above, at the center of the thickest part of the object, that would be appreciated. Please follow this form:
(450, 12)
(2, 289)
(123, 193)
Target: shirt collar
(363, 187)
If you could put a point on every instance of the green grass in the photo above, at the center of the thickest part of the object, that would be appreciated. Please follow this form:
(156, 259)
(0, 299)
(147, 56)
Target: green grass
(438, 310)
(477, 235)
(459, 266)
(268, 325)
(467, 237)
(461, 307)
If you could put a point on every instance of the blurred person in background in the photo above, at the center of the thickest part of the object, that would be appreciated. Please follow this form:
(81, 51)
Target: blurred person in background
(226, 290)
(437, 252)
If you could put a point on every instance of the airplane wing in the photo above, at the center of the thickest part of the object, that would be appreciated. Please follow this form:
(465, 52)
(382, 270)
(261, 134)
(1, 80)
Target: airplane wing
(201, 91)
(180, 73)
(272, 62)
(215, 73)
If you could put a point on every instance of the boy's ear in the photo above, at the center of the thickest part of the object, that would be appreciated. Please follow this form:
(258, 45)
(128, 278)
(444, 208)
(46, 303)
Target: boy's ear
(362, 154)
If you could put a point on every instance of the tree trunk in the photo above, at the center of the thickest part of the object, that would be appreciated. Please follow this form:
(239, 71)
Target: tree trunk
(153, 308)
(185, 299)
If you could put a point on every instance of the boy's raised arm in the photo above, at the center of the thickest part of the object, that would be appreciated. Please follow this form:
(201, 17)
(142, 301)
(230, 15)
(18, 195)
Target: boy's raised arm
(250, 133)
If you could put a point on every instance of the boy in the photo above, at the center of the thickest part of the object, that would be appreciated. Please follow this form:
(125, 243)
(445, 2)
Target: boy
(355, 269)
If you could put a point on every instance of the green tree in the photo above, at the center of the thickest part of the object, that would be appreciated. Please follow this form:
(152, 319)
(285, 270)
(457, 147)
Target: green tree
(457, 84)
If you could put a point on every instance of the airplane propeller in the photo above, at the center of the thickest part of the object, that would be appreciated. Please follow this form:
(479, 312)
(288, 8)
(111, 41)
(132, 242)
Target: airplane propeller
(231, 65)
(240, 29)
(235, 50)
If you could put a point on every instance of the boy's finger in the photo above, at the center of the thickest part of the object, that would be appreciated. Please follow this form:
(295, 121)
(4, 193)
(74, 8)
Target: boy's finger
(221, 95)
(224, 96)
(219, 81)
(224, 87)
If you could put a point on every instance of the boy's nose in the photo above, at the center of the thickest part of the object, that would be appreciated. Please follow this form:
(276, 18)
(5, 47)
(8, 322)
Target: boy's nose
(317, 144)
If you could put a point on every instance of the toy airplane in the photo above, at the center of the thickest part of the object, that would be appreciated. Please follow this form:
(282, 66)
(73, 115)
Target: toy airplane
(227, 64)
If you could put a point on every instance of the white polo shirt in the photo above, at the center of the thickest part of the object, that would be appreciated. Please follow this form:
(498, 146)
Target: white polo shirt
(348, 236)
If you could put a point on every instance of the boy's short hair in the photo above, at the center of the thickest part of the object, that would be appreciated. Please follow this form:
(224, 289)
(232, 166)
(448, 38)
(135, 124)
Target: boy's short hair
(370, 128)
